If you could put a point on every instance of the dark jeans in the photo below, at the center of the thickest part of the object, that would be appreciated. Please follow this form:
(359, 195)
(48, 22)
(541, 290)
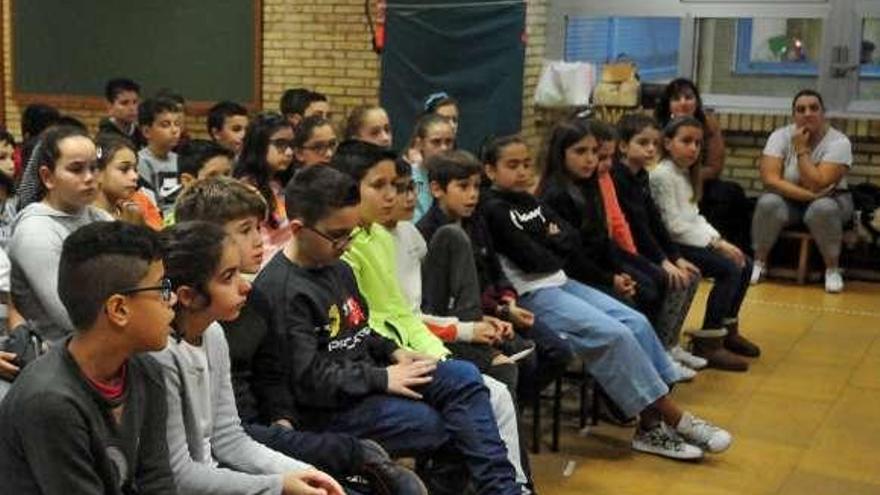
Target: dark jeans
(726, 207)
(455, 408)
(729, 286)
(552, 354)
(338, 454)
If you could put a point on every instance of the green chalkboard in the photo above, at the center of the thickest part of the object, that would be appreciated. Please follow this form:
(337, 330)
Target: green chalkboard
(205, 49)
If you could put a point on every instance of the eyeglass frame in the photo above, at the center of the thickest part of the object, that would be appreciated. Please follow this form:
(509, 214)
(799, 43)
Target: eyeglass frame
(335, 243)
(322, 147)
(166, 290)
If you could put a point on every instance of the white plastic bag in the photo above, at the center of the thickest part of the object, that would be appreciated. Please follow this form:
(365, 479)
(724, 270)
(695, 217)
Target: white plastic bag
(565, 84)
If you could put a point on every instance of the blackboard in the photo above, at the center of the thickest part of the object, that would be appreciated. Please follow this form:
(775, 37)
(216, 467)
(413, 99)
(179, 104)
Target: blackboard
(206, 50)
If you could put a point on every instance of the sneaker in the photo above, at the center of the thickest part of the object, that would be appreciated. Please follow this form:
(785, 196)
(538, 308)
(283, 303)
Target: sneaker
(386, 477)
(661, 440)
(703, 434)
(684, 373)
(833, 281)
(757, 272)
(677, 353)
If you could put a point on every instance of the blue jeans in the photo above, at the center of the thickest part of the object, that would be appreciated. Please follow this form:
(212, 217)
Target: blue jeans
(337, 454)
(617, 343)
(455, 408)
(729, 286)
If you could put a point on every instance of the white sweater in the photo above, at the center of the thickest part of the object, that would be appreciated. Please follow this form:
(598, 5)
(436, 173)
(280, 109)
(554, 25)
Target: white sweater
(672, 191)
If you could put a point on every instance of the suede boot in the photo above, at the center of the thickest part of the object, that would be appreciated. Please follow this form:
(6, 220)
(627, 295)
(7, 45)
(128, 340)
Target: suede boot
(712, 349)
(736, 343)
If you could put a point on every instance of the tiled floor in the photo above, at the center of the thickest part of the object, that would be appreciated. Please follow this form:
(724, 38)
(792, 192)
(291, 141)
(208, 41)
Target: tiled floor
(805, 418)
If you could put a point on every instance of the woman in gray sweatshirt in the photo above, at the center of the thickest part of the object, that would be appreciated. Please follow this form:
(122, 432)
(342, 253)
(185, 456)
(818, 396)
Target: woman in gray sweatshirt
(209, 451)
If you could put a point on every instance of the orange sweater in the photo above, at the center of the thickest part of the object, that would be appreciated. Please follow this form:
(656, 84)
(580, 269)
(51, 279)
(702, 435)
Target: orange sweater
(618, 227)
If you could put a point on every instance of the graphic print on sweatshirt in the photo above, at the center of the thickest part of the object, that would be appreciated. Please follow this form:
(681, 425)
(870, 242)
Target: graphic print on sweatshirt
(351, 317)
(532, 220)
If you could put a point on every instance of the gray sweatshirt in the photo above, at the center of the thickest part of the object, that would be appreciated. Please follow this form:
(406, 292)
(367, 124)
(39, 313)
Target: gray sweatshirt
(38, 234)
(250, 468)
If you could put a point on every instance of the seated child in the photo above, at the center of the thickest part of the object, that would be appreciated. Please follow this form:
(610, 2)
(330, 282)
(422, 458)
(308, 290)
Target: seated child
(259, 381)
(299, 104)
(432, 134)
(346, 377)
(455, 178)
(89, 416)
(638, 148)
(265, 156)
(8, 200)
(62, 177)
(209, 451)
(160, 123)
(617, 343)
(227, 123)
(457, 319)
(314, 142)
(675, 186)
(369, 123)
(123, 96)
(118, 183)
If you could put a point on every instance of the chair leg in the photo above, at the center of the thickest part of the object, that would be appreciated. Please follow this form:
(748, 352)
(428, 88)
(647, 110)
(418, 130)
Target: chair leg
(536, 423)
(557, 413)
(583, 409)
(803, 261)
(594, 415)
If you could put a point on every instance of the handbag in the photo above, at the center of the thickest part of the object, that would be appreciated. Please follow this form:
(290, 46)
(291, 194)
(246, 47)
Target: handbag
(619, 86)
(25, 343)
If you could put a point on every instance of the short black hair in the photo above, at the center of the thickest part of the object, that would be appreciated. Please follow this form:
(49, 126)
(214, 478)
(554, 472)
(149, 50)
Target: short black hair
(171, 95)
(119, 85)
(297, 100)
(219, 200)
(196, 153)
(101, 259)
(150, 108)
(6, 137)
(38, 117)
(634, 123)
(316, 192)
(307, 128)
(602, 131)
(451, 165)
(490, 150)
(218, 114)
(192, 253)
(356, 158)
(807, 92)
(69, 120)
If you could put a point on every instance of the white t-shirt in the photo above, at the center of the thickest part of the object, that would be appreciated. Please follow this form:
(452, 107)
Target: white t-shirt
(834, 147)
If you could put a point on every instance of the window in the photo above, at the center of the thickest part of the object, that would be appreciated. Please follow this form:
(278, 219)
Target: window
(778, 46)
(651, 42)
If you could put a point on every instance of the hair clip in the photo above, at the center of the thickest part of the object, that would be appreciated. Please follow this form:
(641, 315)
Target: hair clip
(99, 152)
(434, 98)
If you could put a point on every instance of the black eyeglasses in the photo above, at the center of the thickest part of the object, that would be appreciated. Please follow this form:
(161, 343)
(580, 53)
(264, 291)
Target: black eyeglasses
(282, 144)
(337, 243)
(165, 290)
(322, 147)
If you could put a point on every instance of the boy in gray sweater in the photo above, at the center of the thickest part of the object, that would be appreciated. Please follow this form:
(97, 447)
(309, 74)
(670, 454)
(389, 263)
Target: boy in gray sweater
(89, 417)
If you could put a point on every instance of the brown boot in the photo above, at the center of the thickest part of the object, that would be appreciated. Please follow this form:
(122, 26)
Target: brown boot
(712, 350)
(736, 343)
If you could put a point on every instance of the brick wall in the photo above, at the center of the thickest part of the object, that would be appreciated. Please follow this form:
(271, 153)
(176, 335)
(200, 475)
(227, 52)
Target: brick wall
(321, 44)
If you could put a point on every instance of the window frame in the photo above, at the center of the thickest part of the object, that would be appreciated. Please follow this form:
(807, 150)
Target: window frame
(839, 19)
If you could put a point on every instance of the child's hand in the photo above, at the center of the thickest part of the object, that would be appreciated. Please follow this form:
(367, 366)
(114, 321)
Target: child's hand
(731, 252)
(284, 423)
(677, 277)
(503, 329)
(552, 229)
(485, 333)
(403, 377)
(130, 212)
(521, 317)
(624, 285)
(403, 356)
(7, 369)
(310, 482)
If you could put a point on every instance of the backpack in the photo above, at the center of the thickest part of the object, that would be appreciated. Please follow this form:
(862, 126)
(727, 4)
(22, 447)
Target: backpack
(25, 343)
(866, 198)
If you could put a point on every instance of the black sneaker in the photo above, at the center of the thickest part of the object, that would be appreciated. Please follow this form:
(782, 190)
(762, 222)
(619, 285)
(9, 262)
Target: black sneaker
(386, 477)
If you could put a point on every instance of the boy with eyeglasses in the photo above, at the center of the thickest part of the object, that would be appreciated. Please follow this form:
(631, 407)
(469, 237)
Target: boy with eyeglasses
(89, 416)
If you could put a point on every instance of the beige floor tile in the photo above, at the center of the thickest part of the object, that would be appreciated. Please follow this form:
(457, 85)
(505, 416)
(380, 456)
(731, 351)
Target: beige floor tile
(809, 483)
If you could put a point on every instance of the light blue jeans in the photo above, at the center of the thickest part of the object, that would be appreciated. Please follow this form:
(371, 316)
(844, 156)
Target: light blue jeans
(617, 343)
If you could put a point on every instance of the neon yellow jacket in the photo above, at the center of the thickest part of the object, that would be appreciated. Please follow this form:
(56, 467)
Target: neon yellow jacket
(371, 256)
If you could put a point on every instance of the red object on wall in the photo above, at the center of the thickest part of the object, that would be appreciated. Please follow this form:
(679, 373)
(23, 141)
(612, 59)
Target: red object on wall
(379, 31)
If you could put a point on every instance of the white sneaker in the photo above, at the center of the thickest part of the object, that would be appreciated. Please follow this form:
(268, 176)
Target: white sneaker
(703, 434)
(757, 272)
(833, 281)
(684, 357)
(684, 373)
(661, 440)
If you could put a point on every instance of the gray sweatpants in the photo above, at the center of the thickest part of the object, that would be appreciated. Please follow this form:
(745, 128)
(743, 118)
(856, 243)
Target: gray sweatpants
(824, 218)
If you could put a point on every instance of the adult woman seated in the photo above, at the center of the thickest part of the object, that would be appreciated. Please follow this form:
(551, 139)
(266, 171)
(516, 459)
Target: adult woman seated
(723, 203)
(804, 169)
